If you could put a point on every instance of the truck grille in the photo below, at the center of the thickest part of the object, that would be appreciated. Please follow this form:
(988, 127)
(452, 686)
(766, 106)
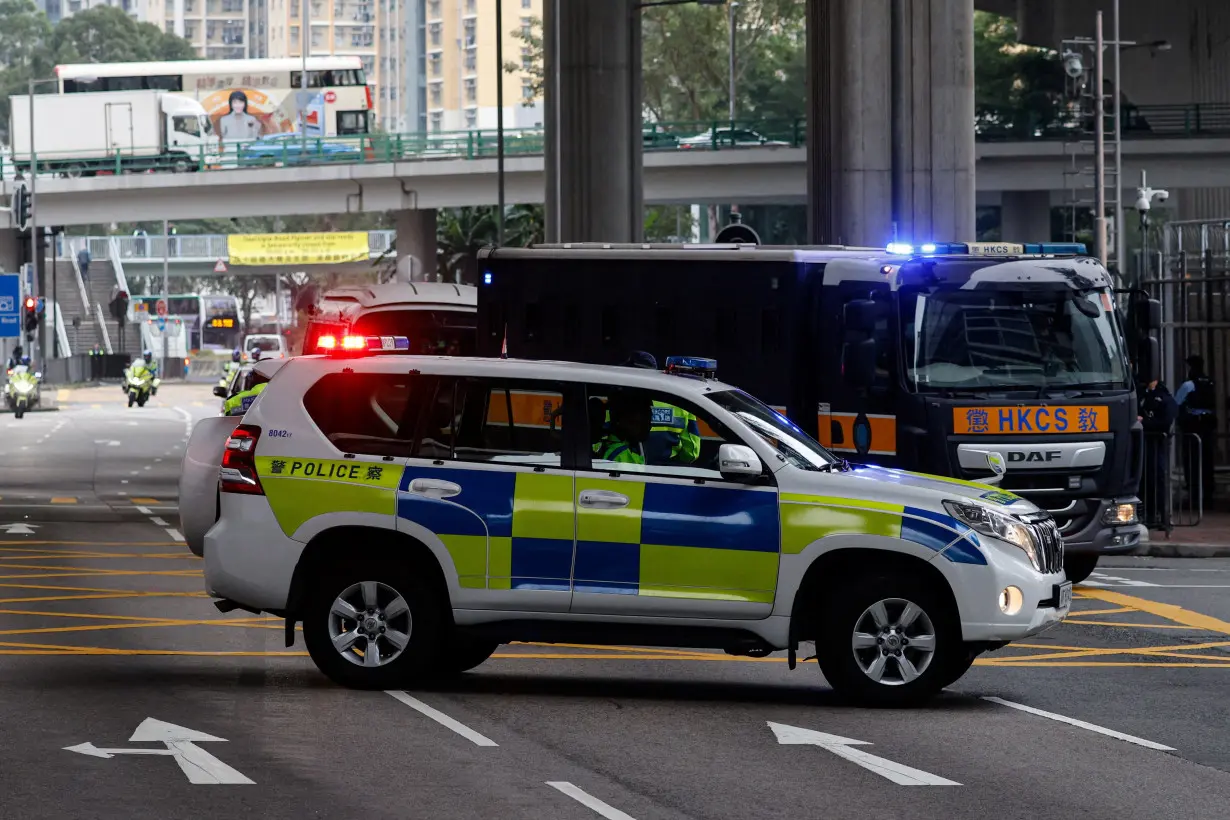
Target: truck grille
(1050, 543)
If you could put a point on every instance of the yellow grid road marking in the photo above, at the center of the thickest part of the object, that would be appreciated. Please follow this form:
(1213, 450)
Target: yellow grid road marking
(1170, 612)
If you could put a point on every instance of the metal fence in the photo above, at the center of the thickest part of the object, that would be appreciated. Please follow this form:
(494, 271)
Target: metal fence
(1188, 270)
(1171, 484)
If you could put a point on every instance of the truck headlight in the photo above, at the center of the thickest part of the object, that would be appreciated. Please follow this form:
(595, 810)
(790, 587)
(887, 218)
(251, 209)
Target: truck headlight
(1119, 515)
(996, 525)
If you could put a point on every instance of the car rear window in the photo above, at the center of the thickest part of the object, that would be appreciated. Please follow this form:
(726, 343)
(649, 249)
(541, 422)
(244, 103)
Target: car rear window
(369, 413)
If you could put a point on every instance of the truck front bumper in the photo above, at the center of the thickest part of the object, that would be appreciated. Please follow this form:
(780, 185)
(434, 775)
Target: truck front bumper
(1102, 539)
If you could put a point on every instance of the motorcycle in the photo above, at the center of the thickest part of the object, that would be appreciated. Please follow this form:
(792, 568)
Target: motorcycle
(21, 392)
(140, 384)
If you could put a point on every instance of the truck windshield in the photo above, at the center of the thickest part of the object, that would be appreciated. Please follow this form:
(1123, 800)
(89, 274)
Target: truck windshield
(792, 444)
(1011, 338)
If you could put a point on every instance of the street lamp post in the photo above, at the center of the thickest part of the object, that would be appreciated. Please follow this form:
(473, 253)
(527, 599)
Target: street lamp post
(35, 244)
(734, 7)
(305, 24)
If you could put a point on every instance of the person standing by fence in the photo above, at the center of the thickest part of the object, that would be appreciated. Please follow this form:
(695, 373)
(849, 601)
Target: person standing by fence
(1196, 399)
(1156, 412)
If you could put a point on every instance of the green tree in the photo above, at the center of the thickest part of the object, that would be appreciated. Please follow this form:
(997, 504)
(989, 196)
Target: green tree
(106, 34)
(532, 68)
(1018, 89)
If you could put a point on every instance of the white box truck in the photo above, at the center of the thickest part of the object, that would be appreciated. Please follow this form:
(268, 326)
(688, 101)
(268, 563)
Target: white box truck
(116, 131)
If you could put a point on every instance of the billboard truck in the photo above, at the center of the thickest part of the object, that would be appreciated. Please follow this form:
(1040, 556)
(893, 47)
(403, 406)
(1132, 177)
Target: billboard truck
(117, 131)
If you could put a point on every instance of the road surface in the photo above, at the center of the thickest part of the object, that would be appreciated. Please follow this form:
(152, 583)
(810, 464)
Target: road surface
(107, 642)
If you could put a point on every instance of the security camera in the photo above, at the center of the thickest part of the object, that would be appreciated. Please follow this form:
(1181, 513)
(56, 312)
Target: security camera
(1073, 65)
(1146, 196)
(1162, 195)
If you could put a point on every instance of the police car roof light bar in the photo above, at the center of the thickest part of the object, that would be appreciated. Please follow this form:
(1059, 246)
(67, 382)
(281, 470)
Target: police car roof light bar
(695, 366)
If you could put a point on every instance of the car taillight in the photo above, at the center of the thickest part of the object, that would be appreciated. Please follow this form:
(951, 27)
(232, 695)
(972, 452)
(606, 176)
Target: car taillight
(238, 473)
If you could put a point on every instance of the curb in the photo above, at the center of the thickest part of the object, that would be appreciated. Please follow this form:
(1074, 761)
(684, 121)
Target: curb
(1173, 549)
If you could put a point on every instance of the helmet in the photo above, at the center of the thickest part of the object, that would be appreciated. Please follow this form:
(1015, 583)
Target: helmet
(641, 359)
(236, 355)
(147, 355)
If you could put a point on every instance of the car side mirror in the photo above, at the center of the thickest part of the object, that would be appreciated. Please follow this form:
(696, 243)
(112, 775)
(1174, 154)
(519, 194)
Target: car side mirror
(738, 461)
(998, 466)
(219, 391)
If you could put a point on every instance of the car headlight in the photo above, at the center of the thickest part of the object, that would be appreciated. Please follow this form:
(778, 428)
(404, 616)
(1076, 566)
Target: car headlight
(1119, 515)
(996, 525)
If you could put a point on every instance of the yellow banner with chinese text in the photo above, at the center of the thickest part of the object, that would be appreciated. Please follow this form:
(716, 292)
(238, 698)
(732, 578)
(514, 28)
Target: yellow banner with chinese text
(297, 248)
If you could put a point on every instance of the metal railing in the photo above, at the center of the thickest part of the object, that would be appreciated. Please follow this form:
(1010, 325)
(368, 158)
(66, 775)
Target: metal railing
(102, 327)
(1171, 481)
(73, 247)
(61, 331)
(194, 247)
(992, 124)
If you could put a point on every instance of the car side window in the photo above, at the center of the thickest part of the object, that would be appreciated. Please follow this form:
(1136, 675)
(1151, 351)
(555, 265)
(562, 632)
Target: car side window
(494, 421)
(368, 413)
(654, 433)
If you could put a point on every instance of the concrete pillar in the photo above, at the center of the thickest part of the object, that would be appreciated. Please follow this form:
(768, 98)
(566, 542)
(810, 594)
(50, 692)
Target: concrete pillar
(592, 51)
(11, 250)
(1025, 216)
(850, 121)
(416, 245)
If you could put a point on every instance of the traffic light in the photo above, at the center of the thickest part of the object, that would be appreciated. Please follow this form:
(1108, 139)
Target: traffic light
(32, 315)
(21, 207)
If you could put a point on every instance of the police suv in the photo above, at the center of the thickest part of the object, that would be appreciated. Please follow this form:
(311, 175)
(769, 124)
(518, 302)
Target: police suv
(417, 512)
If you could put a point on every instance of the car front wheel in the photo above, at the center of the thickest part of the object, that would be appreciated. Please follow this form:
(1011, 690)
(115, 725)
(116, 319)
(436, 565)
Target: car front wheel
(890, 641)
(375, 627)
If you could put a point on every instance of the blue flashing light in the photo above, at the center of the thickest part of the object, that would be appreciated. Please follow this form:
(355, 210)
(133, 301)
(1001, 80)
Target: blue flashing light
(698, 366)
(900, 248)
(487, 277)
(1057, 248)
(387, 343)
(929, 247)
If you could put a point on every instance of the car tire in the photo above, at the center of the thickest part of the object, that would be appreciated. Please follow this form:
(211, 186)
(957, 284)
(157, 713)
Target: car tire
(463, 653)
(417, 620)
(871, 615)
(1079, 566)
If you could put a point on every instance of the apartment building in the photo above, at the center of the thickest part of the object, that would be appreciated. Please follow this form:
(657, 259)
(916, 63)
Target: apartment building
(57, 10)
(460, 68)
(219, 29)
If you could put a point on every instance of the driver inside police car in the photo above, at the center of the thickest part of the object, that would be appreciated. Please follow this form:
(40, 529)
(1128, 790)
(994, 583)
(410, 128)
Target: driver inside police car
(631, 419)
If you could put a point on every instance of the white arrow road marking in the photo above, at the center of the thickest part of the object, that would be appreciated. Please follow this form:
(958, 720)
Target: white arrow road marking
(444, 720)
(200, 766)
(19, 529)
(589, 801)
(842, 747)
(1139, 741)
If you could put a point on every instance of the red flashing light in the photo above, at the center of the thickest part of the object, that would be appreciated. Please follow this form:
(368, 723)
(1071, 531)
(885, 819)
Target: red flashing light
(354, 343)
(326, 343)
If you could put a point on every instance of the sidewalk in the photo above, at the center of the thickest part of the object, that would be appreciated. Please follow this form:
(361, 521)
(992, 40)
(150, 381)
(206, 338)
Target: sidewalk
(1209, 539)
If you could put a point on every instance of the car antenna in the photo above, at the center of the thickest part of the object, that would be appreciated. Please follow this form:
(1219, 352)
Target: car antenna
(504, 346)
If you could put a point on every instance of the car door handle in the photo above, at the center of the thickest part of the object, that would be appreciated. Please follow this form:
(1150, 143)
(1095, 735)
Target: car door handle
(433, 488)
(603, 499)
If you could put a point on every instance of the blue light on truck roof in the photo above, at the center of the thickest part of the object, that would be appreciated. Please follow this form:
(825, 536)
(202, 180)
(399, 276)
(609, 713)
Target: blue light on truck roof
(990, 249)
(697, 366)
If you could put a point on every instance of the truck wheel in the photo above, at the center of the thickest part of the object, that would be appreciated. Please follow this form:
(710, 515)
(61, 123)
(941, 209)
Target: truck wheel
(889, 641)
(373, 627)
(1079, 566)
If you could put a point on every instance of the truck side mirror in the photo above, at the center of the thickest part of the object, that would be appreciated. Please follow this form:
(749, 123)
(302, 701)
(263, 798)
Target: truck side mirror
(1149, 368)
(1147, 316)
(859, 316)
(858, 362)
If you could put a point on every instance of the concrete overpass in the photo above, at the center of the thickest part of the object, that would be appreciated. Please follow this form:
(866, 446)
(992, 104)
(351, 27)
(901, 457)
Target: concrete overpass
(416, 189)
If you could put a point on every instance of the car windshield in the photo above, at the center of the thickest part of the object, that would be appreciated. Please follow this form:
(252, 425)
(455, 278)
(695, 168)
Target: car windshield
(791, 443)
(1002, 338)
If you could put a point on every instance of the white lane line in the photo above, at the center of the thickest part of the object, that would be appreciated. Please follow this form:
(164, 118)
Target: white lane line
(145, 511)
(443, 719)
(159, 521)
(1139, 741)
(124, 481)
(134, 472)
(589, 801)
(174, 534)
(147, 467)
